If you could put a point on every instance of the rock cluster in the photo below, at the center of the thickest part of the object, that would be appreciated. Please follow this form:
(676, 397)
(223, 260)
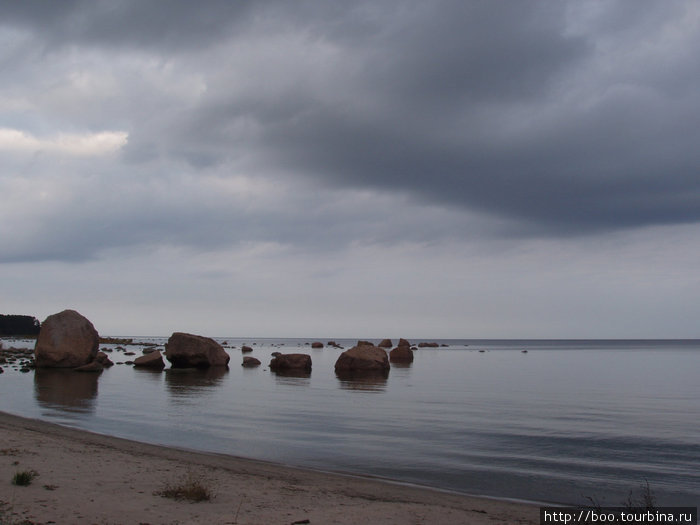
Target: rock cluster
(69, 340)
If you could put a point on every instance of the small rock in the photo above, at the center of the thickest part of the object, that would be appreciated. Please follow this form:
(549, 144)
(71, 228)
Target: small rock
(250, 362)
(103, 359)
(246, 349)
(150, 360)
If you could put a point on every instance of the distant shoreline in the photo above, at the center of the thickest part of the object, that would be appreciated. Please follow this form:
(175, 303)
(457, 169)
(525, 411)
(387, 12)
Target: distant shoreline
(93, 477)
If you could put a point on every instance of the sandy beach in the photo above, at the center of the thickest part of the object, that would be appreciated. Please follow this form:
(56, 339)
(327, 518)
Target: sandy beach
(90, 478)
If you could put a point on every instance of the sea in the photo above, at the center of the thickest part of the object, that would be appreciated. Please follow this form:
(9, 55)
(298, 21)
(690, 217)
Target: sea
(549, 421)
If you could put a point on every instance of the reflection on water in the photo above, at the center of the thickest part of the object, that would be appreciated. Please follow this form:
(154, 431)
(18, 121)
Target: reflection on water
(292, 377)
(153, 374)
(189, 382)
(366, 380)
(65, 390)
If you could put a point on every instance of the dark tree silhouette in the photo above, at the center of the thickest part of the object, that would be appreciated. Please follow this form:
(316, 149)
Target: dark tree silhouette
(19, 325)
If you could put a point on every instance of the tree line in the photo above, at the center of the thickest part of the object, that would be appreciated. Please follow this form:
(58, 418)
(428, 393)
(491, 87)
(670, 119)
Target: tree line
(19, 325)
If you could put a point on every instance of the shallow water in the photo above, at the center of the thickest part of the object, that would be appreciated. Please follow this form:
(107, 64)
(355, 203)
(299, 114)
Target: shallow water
(563, 422)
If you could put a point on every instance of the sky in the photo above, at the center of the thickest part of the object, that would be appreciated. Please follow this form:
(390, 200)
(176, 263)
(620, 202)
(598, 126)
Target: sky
(398, 168)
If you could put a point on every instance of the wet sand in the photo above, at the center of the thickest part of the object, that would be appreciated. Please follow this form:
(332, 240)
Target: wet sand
(91, 478)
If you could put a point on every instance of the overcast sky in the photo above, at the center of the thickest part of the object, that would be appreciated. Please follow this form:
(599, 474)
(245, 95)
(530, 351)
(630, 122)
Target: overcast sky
(443, 169)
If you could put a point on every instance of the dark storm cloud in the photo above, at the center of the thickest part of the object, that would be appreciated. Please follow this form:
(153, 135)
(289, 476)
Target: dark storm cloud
(171, 25)
(497, 107)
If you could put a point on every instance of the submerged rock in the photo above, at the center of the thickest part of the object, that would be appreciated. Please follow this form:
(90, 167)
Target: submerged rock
(93, 366)
(66, 340)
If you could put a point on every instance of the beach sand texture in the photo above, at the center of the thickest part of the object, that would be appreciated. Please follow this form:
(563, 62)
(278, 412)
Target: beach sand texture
(90, 478)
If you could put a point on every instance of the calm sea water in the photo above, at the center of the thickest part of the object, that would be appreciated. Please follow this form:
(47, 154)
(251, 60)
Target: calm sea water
(563, 422)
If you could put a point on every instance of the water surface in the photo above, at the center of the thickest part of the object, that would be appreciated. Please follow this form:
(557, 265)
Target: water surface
(562, 422)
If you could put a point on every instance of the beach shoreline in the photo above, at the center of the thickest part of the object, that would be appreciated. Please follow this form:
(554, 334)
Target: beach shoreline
(93, 478)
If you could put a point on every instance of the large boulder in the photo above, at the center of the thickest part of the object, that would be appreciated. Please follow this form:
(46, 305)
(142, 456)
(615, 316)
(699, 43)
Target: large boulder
(386, 343)
(283, 362)
(362, 358)
(66, 340)
(404, 342)
(194, 351)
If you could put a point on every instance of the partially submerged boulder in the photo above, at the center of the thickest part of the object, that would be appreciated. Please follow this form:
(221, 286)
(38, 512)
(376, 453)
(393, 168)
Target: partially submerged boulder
(92, 366)
(401, 354)
(428, 345)
(317, 344)
(291, 362)
(103, 359)
(194, 351)
(404, 342)
(152, 360)
(246, 349)
(386, 343)
(66, 340)
(362, 358)
(250, 362)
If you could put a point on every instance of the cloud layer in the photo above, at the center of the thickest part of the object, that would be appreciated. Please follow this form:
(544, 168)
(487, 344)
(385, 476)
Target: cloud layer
(317, 129)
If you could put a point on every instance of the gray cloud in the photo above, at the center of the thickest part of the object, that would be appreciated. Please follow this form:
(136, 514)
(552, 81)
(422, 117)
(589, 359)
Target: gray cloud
(549, 118)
